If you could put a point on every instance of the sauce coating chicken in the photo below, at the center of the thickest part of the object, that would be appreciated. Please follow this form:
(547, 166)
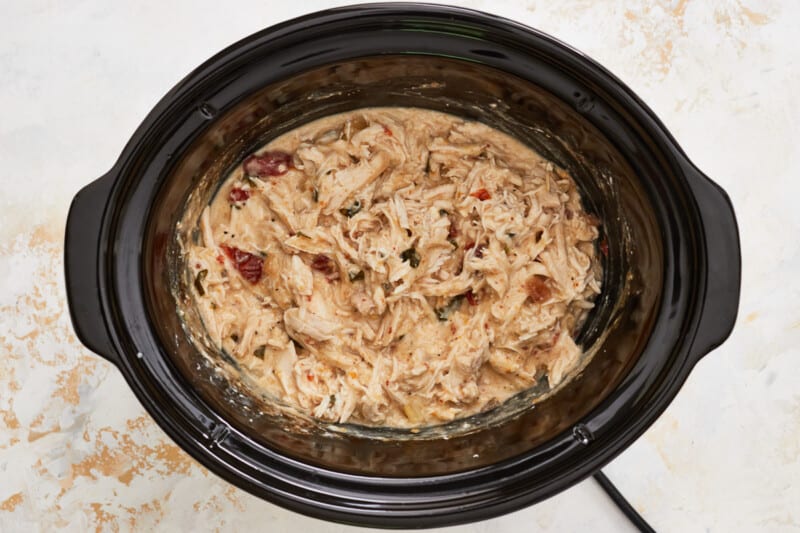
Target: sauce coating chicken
(396, 267)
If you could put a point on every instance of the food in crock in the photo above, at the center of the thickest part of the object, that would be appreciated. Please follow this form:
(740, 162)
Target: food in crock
(396, 267)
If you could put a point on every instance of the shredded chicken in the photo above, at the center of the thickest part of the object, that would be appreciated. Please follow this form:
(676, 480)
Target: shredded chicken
(396, 267)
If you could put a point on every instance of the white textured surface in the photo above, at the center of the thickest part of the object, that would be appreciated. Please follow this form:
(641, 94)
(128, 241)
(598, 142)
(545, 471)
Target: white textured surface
(77, 451)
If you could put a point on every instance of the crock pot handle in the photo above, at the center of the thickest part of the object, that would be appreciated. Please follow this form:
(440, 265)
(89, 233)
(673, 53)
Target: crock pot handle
(724, 269)
(81, 267)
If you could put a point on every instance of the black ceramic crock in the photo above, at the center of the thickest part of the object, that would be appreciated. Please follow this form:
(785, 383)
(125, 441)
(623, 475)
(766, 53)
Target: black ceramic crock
(671, 281)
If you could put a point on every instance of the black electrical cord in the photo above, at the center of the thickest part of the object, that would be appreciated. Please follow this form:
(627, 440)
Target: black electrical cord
(626, 508)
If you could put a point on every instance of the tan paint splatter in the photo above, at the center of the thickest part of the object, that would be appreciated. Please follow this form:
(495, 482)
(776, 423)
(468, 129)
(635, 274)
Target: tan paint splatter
(70, 381)
(45, 234)
(139, 423)
(101, 519)
(232, 494)
(11, 503)
(657, 31)
(39, 429)
(10, 419)
(759, 19)
(734, 19)
(126, 459)
(36, 435)
(152, 507)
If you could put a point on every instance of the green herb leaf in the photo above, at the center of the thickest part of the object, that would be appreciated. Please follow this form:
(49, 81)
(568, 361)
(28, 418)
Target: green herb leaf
(352, 210)
(443, 313)
(411, 256)
(198, 282)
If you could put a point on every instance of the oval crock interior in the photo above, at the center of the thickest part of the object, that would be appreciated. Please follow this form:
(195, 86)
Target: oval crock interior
(613, 336)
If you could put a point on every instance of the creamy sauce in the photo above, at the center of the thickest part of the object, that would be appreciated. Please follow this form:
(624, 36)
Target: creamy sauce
(396, 267)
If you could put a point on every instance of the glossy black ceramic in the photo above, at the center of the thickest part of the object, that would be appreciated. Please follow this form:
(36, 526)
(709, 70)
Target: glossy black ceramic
(671, 281)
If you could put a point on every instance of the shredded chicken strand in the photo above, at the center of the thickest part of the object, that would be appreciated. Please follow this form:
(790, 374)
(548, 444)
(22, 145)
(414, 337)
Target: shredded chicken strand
(396, 267)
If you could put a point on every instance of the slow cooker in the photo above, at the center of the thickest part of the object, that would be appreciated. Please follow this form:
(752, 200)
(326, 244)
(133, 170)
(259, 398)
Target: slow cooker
(670, 282)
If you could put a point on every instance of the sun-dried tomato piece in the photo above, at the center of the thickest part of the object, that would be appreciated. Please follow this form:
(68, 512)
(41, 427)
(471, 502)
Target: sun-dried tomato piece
(323, 263)
(452, 231)
(471, 298)
(250, 266)
(603, 245)
(478, 251)
(238, 195)
(268, 164)
(537, 289)
(481, 194)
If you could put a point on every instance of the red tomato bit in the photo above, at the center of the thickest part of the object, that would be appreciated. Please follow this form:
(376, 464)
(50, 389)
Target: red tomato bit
(471, 298)
(481, 194)
(478, 251)
(323, 263)
(250, 266)
(603, 245)
(268, 164)
(238, 195)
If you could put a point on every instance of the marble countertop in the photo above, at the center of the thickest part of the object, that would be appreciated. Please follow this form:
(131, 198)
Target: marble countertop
(78, 452)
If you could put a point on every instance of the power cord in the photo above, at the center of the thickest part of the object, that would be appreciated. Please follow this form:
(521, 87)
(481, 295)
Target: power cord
(620, 501)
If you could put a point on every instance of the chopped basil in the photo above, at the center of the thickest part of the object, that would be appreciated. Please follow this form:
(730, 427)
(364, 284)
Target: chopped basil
(411, 256)
(301, 234)
(259, 352)
(352, 210)
(198, 282)
(443, 313)
(356, 276)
